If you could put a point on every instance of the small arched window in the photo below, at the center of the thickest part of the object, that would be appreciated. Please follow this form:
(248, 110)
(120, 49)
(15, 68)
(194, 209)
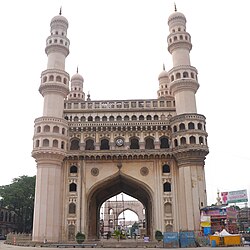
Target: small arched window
(199, 126)
(111, 118)
(192, 140)
(126, 118)
(156, 117)
(65, 80)
(185, 74)
(72, 208)
(182, 126)
(192, 75)
(51, 78)
(63, 131)
(45, 143)
(76, 119)
(172, 78)
(183, 140)
(90, 118)
(38, 130)
(58, 78)
(201, 140)
(118, 118)
(167, 187)
(55, 143)
(72, 187)
(178, 75)
(149, 118)
(175, 128)
(97, 118)
(190, 125)
(37, 143)
(141, 117)
(164, 142)
(46, 128)
(134, 118)
(104, 118)
(166, 168)
(56, 129)
(176, 143)
(73, 169)
(45, 79)
(83, 119)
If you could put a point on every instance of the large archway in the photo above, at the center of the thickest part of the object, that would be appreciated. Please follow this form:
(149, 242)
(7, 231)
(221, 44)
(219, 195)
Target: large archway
(113, 186)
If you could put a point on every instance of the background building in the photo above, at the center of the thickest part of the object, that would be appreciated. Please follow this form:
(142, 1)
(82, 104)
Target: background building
(88, 151)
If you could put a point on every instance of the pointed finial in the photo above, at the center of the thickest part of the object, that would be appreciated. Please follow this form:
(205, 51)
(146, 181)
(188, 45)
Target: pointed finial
(175, 8)
(60, 12)
(77, 70)
(163, 66)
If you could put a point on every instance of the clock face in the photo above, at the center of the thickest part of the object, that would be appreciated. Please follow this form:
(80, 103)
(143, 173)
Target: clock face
(119, 142)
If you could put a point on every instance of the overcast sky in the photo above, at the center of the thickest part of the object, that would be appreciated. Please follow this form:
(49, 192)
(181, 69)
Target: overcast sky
(120, 46)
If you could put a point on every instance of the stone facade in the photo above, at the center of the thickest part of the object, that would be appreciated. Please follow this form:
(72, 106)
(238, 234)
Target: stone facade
(88, 150)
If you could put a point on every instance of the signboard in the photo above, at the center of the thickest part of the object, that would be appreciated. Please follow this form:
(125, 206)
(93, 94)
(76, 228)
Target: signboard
(234, 196)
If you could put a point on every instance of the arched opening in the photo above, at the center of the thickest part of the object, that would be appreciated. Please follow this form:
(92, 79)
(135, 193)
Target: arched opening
(165, 169)
(72, 187)
(164, 142)
(73, 169)
(110, 187)
(72, 208)
(74, 145)
(134, 143)
(149, 143)
(89, 145)
(104, 144)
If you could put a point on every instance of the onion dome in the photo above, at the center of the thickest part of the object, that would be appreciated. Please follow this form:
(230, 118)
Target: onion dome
(59, 19)
(175, 16)
(76, 77)
(163, 74)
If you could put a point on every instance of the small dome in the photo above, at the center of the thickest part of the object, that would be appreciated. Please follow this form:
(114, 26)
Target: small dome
(61, 19)
(77, 77)
(163, 74)
(176, 15)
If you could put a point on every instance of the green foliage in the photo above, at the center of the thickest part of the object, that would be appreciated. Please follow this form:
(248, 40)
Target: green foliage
(158, 235)
(80, 237)
(117, 234)
(19, 197)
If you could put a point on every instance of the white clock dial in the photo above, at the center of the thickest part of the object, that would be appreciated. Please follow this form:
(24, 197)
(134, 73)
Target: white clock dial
(119, 142)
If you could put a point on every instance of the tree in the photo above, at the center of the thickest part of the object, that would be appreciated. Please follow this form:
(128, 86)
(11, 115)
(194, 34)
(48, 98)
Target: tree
(80, 237)
(158, 235)
(19, 197)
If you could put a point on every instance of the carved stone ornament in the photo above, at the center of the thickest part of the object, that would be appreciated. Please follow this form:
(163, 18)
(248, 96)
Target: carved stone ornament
(95, 171)
(144, 171)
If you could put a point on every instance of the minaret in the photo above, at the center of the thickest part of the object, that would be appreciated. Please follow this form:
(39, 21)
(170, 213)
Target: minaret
(163, 79)
(189, 137)
(76, 92)
(183, 76)
(50, 136)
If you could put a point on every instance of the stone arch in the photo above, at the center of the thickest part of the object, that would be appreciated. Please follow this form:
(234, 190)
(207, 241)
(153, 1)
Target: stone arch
(110, 187)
